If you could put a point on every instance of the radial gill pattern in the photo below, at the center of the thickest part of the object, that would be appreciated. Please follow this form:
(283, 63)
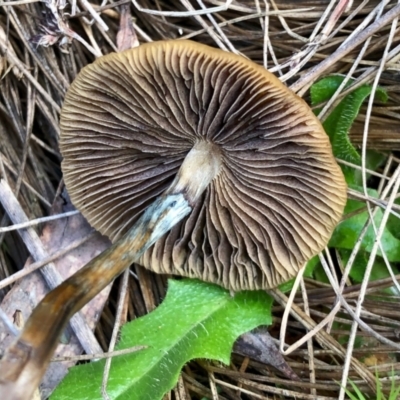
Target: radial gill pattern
(130, 118)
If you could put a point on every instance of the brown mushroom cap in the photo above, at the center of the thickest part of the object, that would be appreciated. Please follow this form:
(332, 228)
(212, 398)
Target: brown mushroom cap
(129, 120)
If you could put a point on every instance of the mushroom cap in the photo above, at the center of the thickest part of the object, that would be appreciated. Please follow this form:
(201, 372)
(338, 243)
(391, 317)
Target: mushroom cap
(130, 118)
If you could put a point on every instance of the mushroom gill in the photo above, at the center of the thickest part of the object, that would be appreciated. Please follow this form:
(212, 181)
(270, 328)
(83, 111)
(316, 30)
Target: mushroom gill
(273, 192)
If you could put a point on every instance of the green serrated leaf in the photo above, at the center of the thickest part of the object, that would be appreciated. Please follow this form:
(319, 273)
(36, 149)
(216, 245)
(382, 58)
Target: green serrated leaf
(196, 320)
(339, 122)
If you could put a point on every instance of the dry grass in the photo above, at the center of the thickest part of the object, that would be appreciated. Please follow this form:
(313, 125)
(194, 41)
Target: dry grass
(300, 41)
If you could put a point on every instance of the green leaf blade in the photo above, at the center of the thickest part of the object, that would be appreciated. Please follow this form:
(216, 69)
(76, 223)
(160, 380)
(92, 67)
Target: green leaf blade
(196, 320)
(340, 120)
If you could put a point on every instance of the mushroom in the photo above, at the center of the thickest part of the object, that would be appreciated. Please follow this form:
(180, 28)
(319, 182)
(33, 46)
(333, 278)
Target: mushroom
(195, 162)
(259, 172)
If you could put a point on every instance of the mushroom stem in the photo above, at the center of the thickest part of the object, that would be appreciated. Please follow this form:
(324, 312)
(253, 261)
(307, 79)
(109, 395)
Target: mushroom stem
(200, 166)
(25, 362)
